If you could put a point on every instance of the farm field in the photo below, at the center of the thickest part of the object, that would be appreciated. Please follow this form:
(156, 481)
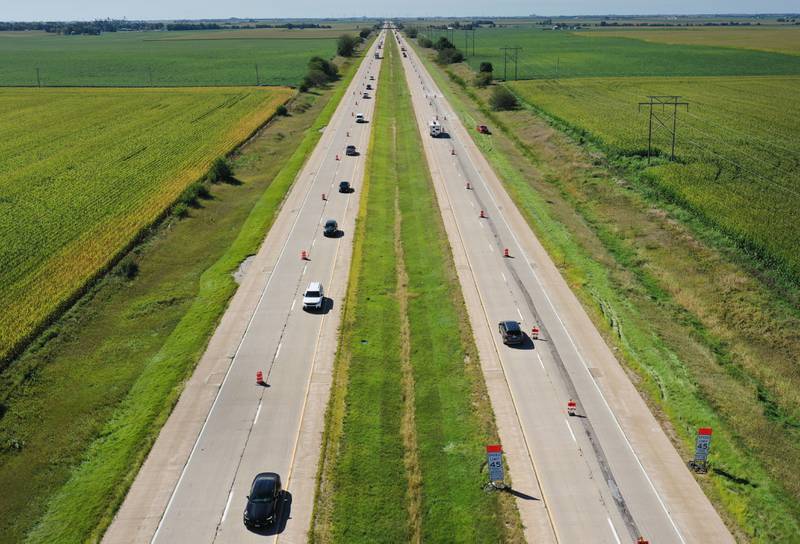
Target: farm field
(90, 170)
(739, 157)
(780, 39)
(546, 54)
(184, 58)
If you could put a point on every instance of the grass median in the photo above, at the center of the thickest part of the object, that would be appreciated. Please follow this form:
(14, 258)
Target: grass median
(409, 415)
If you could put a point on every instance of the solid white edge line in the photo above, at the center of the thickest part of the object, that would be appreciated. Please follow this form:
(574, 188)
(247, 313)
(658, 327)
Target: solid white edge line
(277, 351)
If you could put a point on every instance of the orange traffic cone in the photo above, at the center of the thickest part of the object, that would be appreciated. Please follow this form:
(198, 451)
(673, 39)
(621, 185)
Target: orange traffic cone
(260, 378)
(304, 255)
(469, 186)
(535, 333)
(483, 215)
(571, 407)
(505, 253)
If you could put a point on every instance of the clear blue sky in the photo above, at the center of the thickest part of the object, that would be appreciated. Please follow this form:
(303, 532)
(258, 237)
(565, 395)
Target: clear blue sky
(27, 10)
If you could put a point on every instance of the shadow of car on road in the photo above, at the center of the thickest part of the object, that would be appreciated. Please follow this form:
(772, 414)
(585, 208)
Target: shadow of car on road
(526, 343)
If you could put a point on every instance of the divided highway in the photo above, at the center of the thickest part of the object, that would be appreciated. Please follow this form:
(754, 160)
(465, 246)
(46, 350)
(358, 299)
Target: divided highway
(226, 428)
(607, 475)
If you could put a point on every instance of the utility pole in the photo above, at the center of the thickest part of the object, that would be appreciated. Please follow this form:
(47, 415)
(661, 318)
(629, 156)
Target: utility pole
(38, 79)
(516, 51)
(473, 41)
(557, 61)
(258, 79)
(150, 75)
(664, 101)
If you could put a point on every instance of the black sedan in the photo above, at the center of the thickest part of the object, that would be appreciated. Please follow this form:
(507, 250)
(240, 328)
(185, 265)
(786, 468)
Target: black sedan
(344, 187)
(331, 229)
(511, 332)
(264, 501)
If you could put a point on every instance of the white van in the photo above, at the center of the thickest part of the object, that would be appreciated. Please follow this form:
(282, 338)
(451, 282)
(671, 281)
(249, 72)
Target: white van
(360, 118)
(435, 128)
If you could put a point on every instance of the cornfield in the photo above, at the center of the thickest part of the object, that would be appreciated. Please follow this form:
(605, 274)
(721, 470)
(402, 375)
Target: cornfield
(737, 153)
(84, 171)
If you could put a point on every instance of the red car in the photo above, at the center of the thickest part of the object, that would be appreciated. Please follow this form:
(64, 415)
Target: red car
(483, 129)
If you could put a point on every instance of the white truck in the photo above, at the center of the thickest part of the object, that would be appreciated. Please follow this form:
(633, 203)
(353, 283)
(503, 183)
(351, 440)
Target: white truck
(435, 128)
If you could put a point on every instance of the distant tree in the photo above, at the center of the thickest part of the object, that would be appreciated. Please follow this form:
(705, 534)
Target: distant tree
(412, 32)
(128, 268)
(346, 45)
(443, 43)
(316, 78)
(486, 67)
(449, 56)
(425, 42)
(282, 110)
(364, 34)
(502, 99)
(325, 66)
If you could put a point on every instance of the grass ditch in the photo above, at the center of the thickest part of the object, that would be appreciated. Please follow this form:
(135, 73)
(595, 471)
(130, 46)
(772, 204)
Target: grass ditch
(411, 282)
(82, 407)
(641, 269)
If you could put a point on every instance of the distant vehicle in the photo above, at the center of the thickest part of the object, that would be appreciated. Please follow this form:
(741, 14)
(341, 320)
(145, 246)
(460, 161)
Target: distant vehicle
(483, 129)
(369, 87)
(511, 332)
(435, 128)
(365, 95)
(264, 501)
(404, 55)
(350, 151)
(331, 228)
(360, 118)
(344, 187)
(372, 78)
(314, 296)
(377, 55)
(402, 48)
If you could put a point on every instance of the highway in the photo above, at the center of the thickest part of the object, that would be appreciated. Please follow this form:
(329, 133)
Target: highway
(607, 475)
(226, 428)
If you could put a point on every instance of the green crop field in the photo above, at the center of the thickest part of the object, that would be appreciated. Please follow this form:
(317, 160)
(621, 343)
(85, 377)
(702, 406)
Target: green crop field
(185, 58)
(777, 39)
(83, 171)
(737, 147)
(591, 54)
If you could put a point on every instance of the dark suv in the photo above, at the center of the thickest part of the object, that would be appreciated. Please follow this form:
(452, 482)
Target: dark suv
(511, 332)
(344, 187)
(331, 228)
(264, 501)
(350, 151)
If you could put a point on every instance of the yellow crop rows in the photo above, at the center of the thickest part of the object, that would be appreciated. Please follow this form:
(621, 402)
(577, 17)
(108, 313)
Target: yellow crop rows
(83, 171)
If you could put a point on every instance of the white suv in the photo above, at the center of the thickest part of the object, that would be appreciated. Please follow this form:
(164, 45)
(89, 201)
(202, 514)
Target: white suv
(313, 297)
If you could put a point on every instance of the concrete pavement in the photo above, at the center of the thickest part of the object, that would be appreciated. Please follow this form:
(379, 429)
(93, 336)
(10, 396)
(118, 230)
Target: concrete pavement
(226, 428)
(608, 475)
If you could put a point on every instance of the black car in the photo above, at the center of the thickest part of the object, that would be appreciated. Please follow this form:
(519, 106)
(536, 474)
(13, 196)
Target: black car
(264, 500)
(350, 151)
(331, 228)
(511, 332)
(344, 187)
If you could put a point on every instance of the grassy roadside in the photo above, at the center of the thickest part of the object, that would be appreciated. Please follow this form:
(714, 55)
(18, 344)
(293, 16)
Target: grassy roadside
(641, 270)
(420, 362)
(83, 406)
